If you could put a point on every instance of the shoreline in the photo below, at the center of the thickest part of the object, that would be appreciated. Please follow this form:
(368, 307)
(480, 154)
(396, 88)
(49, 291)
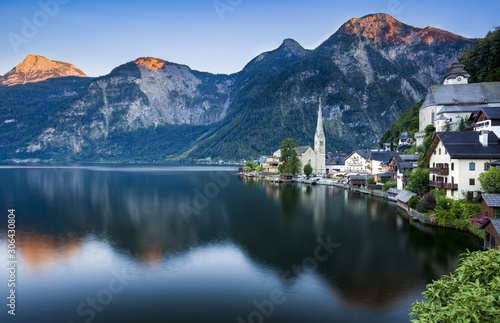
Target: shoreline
(411, 214)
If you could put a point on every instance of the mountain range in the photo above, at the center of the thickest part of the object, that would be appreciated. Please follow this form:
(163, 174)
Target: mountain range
(151, 110)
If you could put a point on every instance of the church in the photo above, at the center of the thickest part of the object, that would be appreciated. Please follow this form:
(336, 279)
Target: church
(315, 157)
(456, 99)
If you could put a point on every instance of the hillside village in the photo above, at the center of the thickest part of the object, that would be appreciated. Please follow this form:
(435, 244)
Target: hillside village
(458, 137)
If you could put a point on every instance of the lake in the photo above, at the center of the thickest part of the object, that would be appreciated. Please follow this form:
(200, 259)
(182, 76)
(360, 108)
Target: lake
(199, 244)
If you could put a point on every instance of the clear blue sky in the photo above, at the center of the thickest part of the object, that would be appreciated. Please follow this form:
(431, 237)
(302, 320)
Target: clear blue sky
(218, 36)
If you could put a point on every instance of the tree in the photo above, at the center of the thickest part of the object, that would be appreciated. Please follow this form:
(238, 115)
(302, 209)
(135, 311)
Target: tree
(490, 180)
(252, 167)
(389, 184)
(429, 130)
(461, 125)
(418, 181)
(447, 126)
(290, 163)
(308, 169)
(470, 294)
(483, 61)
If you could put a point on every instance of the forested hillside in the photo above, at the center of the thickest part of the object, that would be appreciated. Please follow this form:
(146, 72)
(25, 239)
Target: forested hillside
(483, 60)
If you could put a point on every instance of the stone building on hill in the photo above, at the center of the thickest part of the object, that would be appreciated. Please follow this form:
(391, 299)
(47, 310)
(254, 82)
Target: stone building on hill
(447, 104)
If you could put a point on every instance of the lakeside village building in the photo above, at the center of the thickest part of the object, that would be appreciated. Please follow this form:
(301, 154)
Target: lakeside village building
(307, 155)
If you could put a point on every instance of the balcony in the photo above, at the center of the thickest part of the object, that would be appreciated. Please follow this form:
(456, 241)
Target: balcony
(447, 186)
(440, 171)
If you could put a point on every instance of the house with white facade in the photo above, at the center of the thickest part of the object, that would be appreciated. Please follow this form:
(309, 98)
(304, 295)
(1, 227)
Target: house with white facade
(378, 161)
(488, 119)
(335, 163)
(400, 166)
(357, 162)
(457, 158)
(368, 161)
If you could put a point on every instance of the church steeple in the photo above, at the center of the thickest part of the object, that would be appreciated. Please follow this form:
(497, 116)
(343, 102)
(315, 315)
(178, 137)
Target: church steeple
(319, 125)
(320, 144)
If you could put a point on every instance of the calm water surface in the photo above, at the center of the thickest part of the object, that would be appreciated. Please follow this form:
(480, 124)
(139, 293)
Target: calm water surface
(181, 244)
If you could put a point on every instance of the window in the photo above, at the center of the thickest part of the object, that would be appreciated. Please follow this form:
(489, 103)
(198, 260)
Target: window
(486, 166)
(452, 166)
(321, 144)
(472, 166)
(445, 151)
(452, 192)
(472, 181)
(309, 162)
(440, 151)
(434, 151)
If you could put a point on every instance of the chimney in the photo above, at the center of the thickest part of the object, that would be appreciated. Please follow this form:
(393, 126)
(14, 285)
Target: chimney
(483, 137)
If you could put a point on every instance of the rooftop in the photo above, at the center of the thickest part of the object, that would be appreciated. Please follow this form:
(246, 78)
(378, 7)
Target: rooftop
(404, 196)
(492, 200)
(302, 149)
(463, 94)
(491, 113)
(464, 108)
(461, 145)
(494, 221)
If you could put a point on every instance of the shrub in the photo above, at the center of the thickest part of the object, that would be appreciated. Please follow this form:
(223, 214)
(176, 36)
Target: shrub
(470, 294)
(414, 202)
(388, 185)
(428, 201)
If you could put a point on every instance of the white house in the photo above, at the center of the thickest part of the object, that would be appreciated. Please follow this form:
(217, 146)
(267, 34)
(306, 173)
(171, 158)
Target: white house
(457, 158)
(335, 163)
(400, 165)
(488, 119)
(378, 161)
(365, 161)
(357, 162)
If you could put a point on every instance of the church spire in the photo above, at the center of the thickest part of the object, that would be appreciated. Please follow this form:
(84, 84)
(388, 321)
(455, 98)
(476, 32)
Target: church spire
(319, 126)
(320, 144)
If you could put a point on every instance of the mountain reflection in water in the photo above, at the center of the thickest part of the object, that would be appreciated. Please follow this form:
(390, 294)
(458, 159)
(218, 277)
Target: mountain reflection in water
(79, 227)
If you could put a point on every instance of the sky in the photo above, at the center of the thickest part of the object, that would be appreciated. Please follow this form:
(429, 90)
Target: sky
(217, 36)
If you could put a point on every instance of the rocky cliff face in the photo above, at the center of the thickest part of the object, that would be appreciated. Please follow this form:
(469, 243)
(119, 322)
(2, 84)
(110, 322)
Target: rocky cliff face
(36, 68)
(384, 29)
(147, 92)
(367, 73)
